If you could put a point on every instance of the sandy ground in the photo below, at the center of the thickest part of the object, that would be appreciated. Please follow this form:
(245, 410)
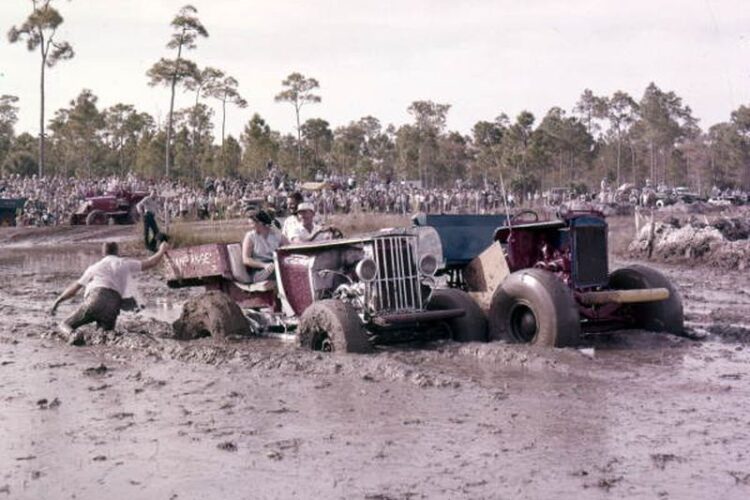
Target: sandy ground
(137, 415)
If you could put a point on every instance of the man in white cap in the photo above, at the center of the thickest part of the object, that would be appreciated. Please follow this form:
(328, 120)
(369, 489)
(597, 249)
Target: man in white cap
(306, 229)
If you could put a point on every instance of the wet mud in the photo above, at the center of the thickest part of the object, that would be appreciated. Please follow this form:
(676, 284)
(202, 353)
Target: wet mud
(136, 413)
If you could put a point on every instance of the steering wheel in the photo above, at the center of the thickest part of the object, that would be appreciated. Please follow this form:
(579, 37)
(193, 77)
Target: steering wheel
(519, 217)
(335, 233)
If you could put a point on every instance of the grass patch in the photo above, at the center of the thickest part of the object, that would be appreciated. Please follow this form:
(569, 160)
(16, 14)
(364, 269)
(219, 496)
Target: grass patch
(187, 234)
(354, 224)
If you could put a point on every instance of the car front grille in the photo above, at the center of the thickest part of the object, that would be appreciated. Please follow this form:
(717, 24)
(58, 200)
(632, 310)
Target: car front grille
(396, 287)
(590, 265)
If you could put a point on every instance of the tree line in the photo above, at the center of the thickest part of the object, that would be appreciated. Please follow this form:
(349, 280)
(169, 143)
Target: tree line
(618, 137)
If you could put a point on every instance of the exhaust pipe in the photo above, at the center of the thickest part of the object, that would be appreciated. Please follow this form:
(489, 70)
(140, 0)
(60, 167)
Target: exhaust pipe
(624, 296)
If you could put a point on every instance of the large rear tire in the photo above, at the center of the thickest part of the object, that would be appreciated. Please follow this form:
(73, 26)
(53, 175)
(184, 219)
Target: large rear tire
(212, 314)
(662, 316)
(533, 306)
(332, 326)
(472, 326)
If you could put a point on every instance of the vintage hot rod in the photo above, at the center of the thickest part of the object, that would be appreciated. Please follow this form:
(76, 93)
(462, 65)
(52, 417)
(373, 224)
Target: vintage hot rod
(547, 282)
(341, 294)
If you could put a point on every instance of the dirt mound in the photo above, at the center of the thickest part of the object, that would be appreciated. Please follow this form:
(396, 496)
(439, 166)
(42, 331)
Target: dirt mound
(212, 314)
(733, 229)
(723, 242)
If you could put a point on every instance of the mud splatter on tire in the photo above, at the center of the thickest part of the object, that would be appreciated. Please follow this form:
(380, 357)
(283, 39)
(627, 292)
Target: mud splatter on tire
(212, 314)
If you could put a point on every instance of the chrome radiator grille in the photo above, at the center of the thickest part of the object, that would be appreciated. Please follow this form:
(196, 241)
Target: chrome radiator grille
(396, 287)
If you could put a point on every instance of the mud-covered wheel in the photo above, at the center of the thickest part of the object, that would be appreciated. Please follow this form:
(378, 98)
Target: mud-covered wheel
(95, 217)
(212, 314)
(332, 326)
(533, 306)
(662, 316)
(472, 326)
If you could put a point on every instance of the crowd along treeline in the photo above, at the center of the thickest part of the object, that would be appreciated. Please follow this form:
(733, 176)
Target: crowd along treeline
(618, 137)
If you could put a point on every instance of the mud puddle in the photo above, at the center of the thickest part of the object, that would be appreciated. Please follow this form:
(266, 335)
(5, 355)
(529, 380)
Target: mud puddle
(28, 237)
(41, 262)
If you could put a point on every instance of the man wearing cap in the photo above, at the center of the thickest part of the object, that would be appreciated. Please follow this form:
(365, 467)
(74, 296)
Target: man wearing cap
(306, 229)
(292, 202)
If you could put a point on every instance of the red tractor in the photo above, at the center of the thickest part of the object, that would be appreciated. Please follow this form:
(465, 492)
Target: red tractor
(110, 208)
(547, 282)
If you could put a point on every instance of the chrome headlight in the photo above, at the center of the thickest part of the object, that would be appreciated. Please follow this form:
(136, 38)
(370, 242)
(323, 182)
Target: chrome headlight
(366, 270)
(428, 265)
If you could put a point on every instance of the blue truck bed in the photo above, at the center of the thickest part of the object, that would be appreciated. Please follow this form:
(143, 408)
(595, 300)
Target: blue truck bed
(463, 237)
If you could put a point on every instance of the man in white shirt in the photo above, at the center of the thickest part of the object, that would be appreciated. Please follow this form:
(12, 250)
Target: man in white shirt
(106, 282)
(305, 229)
(292, 202)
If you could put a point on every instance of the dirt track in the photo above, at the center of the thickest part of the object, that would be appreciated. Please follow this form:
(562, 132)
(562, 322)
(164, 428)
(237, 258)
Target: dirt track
(137, 415)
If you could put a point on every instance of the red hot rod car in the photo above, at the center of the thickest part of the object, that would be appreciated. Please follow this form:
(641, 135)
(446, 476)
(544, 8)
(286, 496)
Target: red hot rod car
(340, 295)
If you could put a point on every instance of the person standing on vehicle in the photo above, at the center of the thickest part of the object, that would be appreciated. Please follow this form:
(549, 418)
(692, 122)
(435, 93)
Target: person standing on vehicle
(105, 284)
(148, 209)
(259, 245)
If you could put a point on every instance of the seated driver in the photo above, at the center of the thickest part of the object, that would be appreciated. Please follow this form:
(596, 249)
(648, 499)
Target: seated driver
(259, 245)
(306, 229)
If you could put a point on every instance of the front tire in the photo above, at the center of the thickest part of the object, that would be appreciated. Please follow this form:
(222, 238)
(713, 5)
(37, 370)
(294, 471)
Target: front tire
(533, 306)
(472, 326)
(95, 217)
(662, 316)
(332, 326)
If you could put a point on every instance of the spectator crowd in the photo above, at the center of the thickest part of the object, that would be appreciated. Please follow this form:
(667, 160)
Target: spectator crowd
(52, 200)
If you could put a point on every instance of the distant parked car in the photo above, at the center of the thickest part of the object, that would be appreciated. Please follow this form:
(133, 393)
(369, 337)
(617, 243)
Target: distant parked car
(9, 208)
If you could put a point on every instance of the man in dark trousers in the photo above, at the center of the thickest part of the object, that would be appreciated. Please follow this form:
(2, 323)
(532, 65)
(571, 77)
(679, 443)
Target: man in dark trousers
(106, 283)
(148, 208)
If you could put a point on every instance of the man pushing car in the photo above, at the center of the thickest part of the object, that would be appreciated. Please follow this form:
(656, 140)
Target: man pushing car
(105, 282)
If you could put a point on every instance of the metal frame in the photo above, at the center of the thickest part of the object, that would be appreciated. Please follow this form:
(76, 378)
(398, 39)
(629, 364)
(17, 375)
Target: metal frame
(396, 287)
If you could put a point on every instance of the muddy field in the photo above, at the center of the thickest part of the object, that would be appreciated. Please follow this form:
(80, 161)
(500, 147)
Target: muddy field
(135, 414)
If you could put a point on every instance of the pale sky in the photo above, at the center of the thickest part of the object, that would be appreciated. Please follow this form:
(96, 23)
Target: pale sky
(374, 57)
